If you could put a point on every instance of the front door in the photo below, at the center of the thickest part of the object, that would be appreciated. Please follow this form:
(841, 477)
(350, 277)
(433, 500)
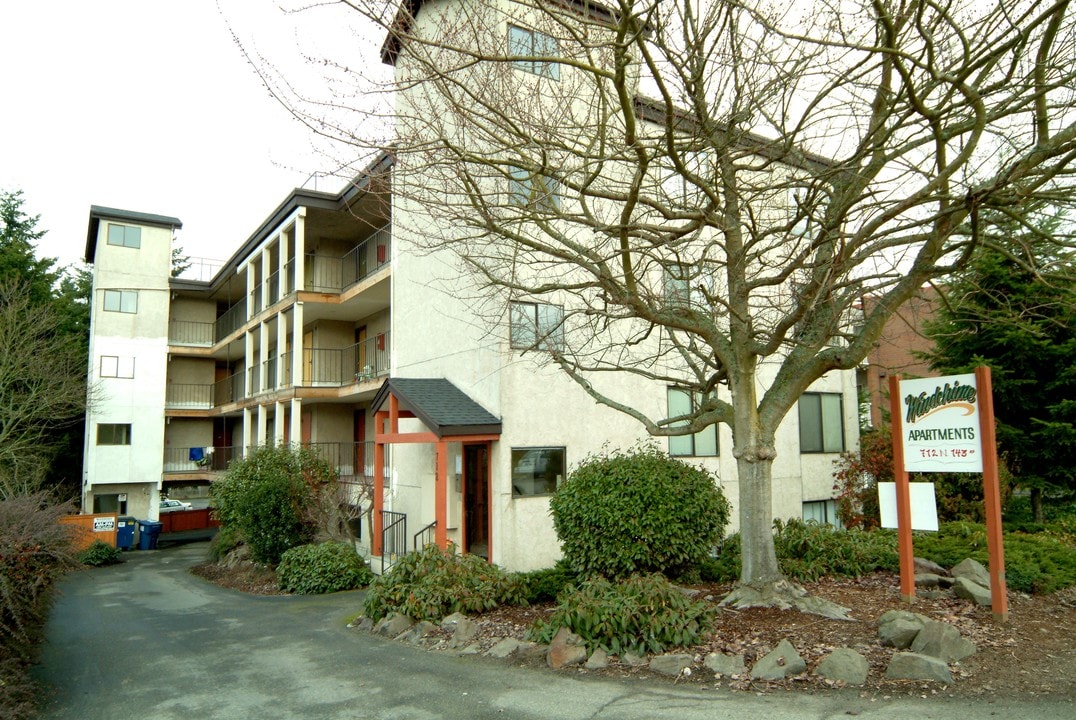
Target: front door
(476, 499)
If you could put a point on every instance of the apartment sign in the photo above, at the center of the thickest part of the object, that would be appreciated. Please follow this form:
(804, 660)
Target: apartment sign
(940, 424)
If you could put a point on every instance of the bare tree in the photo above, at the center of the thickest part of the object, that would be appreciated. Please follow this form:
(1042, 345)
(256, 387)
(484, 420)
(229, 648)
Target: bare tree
(709, 188)
(42, 387)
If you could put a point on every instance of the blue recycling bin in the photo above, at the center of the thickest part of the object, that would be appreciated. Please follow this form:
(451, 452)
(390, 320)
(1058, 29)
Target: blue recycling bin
(148, 532)
(125, 532)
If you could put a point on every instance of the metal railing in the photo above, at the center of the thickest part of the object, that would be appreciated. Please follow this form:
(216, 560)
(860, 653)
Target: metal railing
(255, 301)
(351, 460)
(326, 273)
(189, 332)
(361, 362)
(425, 536)
(270, 373)
(393, 538)
(285, 370)
(188, 395)
(200, 459)
(228, 390)
(231, 320)
(255, 380)
(273, 295)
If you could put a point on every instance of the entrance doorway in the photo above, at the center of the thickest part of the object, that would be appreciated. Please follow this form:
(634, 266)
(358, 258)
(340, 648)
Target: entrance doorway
(476, 499)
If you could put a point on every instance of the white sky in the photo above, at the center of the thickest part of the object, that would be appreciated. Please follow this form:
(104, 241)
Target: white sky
(150, 106)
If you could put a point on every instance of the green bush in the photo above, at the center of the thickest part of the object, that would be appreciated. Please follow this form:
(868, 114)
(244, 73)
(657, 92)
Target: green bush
(1035, 563)
(625, 513)
(265, 499)
(224, 541)
(324, 568)
(432, 583)
(98, 554)
(546, 584)
(640, 614)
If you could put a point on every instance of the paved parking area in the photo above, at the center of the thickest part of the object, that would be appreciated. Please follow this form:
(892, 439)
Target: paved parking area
(146, 639)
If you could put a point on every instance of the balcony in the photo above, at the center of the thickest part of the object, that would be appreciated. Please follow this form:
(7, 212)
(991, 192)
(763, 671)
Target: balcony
(231, 320)
(200, 459)
(229, 389)
(353, 461)
(190, 333)
(188, 396)
(325, 273)
(362, 362)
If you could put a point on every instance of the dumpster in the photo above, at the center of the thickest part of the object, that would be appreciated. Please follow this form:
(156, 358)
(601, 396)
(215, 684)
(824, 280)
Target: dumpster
(148, 532)
(125, 532)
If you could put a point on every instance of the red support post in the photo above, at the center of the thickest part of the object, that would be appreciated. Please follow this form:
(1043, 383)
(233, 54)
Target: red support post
(440, 502)
(992, 495)
(904, 503)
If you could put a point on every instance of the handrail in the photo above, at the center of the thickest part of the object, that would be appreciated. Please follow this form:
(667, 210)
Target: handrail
(393, 538)
(427, 535)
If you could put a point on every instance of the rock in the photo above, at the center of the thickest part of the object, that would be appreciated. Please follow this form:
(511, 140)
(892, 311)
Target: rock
(970, 590)
(463, 634)
(782, 662)
(942, 641)
(472, 649)
(532, 651)
(505, 648)
(900, 631)
(417, 632)
(566, 649)
(972, 570)
(393, 625)
(913, 666)
(364, 624)
(927, 580)
(724, 664)
(922, 565)
(671, 663)
(599, 660)
(633, 660)
(844, 665)
(451, 622)
(691, 593)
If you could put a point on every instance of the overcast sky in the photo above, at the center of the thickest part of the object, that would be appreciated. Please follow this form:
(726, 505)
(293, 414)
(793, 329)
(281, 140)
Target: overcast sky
(150, 106)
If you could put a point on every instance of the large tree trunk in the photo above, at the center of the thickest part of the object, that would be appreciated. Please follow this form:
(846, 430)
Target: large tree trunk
(1036, 505)
(758, 559)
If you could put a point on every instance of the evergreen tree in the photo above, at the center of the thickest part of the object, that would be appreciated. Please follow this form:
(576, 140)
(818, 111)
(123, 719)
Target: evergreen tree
(1019, 318)
(18, 252)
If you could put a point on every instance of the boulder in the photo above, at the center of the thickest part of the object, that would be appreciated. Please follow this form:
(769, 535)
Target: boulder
(451, 622)
(506, 647)
(671, 663)
(417, 632)
(927, 580)
(364, 624)
(463, 631)
(599, 660)
(942, 641)
(972, 570)
(898, 628)
(970, 590)
(723, 664)
(566, 649)
(632, 660)
(844, 665)
(393, 625)
(922, 565)
(913, 666)
(780, 663)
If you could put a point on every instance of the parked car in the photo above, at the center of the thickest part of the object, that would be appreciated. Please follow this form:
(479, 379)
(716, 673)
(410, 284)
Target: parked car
(174, 505)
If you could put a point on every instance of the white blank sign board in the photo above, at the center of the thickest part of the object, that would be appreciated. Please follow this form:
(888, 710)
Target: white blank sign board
(924, 506)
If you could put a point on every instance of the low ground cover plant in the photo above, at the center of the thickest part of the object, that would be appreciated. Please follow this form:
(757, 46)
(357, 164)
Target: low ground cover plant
(99, 554)
(547, 584)
(624, 513)
(639, 614)
(322, 568)
(432, 583)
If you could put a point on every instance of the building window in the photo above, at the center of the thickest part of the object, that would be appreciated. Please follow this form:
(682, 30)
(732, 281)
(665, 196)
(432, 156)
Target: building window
(527, 189)
(125, 235)
(536, 326)
(113, 433)
(700, 444)
(537, 471)
(823, 512)
(113, 366)
(821, 423)
(125, 301)
(525, 43)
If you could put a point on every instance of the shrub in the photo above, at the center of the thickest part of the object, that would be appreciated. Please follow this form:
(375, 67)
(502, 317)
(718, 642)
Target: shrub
(98, 554)
(264, 499)
(324, 568)
(640, 614)
(638, 512)
(432, 583)
(546, 584)
(224, 541)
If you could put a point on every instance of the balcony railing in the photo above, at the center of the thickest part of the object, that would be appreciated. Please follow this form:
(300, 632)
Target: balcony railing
(270, 373)
(255, 301)
(189, 396)
(200, 459)
(361, 362)
(274, 289)
(351, 460)
(325, 273)
(228, 390)
(189, 332)
(231, 320)
(255, 380)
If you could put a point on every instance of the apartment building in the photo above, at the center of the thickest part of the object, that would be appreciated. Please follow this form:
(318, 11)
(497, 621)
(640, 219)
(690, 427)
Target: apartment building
(334, 325)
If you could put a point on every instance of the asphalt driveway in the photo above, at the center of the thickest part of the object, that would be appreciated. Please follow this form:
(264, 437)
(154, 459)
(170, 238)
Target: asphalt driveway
(148, 640)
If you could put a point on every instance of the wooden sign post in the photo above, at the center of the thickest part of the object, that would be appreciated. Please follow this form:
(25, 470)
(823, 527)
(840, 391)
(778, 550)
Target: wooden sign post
(947, 425)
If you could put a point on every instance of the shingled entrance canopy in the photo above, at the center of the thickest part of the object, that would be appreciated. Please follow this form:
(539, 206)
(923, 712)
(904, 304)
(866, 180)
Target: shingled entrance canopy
(448, 413)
